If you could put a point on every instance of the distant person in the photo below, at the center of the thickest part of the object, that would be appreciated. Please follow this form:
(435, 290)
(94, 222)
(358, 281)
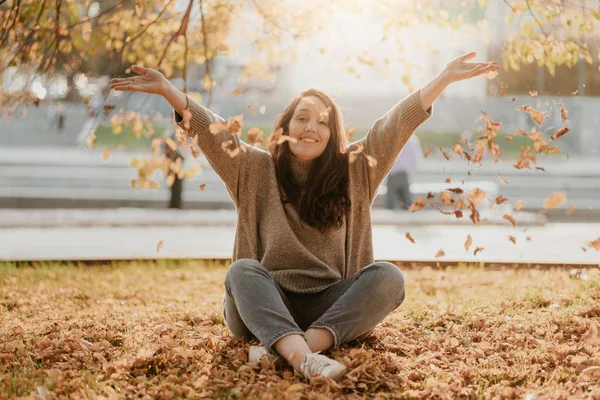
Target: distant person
(60, 118)
(51, 113)
(398, 181)
(303, 278)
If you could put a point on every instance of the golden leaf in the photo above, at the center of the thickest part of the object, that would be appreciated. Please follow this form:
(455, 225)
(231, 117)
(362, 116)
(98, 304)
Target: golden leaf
(570, 210)
(595, 244)
(477, 250)
(519, 205)
(468, 242)
(106, 155)
(555, 200)
(537, 116)
(203, 186)
(512, 239)
(427, 151)
(502, 179)
(510, 218)
(170, 180)
(476, 196)
(90, 140)
(440, 253)
(500, 200)
(238, 91)
(417, 205)
(446, 198)
(350, 132)
(159, 246)
(409, 237)
(446, 155)
(559, 133)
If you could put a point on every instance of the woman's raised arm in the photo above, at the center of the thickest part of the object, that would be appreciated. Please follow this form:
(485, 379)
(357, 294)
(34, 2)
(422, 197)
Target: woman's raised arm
(390, 133)
(217, 146)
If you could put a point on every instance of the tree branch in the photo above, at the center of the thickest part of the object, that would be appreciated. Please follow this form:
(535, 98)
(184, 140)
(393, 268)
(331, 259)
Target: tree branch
(535, 18)
(207, 61)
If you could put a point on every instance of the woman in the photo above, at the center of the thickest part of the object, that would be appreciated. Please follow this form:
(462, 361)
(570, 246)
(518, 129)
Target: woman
(303, 278)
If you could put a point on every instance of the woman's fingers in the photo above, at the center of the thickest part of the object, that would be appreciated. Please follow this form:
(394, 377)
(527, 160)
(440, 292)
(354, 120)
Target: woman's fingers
(139, 70)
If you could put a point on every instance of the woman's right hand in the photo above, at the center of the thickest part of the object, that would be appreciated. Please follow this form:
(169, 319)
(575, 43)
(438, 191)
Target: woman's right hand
(147, 81)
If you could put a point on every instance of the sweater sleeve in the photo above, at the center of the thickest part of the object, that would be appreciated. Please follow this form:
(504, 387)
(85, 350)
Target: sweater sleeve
(214, 146)
(385, 140)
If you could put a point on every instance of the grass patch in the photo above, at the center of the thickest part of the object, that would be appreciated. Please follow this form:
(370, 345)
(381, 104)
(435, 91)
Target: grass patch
(130, 329)
(126, 139)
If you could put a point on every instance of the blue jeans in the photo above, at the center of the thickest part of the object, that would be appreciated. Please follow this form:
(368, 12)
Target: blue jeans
(256, 307)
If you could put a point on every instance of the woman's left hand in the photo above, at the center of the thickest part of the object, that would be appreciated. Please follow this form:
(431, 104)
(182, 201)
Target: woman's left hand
(460, 69)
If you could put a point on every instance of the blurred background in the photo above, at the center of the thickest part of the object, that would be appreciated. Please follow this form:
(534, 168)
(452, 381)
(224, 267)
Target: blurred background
(67, 142)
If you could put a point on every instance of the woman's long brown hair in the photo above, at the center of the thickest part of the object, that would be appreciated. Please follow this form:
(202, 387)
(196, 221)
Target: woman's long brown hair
(325, 201)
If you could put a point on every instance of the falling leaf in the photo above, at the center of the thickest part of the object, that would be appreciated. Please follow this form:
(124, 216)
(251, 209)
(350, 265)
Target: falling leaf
(350, 132)
(171, 143)
(559, 133)
(468, 242)
(446, 155)
(595, 244)
(519, 205)
(447, 180)
(417, 205)
(409, 237)
(575, 93)
(159, 246)
(537, 116)
(427, 151)
(203, 186)
(552, 149)
(507, 137)
(555, 200)
(476, 196)
(540, 169)
(510, 218)
(512, 239)
(106, 155)
(222, 47)
(570, 210)
(90, 140)
(564, 113)
(170, 180)
(491, 75)
(500, 200)
(457, 148)
(502, 179)
(440, 253)
(238, 91)
(446, 198)
(477, 250)
(533, 93)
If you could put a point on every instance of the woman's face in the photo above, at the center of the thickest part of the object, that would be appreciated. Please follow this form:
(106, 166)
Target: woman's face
(310, 127)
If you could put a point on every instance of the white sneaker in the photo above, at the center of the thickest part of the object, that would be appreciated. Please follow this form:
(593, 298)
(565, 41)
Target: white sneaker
(315, 363)
(256, 352)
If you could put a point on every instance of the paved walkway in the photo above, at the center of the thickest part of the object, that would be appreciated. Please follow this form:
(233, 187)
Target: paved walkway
(548, 244)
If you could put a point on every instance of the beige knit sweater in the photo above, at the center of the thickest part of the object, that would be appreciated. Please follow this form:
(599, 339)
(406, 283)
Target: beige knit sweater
(299, 257)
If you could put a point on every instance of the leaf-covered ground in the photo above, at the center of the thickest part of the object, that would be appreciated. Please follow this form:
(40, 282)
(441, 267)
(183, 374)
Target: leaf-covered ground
(148, 330)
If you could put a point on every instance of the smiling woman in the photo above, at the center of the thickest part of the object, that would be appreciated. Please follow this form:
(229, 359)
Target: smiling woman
(304, 278)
